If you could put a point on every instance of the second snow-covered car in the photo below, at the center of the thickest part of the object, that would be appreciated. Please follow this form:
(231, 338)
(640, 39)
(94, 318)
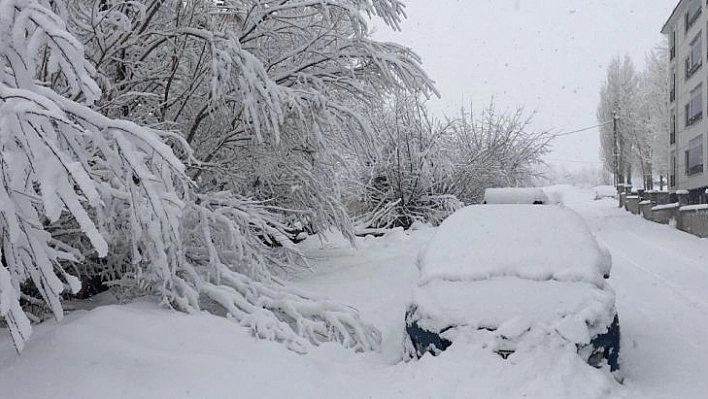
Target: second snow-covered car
(508, 270)
(515, 195)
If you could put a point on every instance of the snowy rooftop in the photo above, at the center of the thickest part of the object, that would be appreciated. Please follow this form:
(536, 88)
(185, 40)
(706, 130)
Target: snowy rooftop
(529, 241)
(515, 195)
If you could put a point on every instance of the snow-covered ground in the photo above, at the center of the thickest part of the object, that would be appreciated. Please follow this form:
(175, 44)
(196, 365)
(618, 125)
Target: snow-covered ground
(660, 276)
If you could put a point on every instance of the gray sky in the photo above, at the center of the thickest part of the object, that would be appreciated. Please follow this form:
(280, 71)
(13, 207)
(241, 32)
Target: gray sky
(549, 56)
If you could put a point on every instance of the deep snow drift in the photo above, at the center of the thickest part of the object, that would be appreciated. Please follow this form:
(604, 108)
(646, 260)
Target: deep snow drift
(140, 350)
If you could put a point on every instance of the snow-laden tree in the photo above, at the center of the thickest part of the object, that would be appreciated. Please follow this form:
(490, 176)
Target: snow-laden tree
(60, 160)
(639, 100)
(404, 174)
(262, 90)
(653, 149)
(495, 149)
(82, 190)
(619, 98)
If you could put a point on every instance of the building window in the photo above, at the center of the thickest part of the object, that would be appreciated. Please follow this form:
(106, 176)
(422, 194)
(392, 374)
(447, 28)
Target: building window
(694, 156)
(694, 109)
(694, 10)
(672, 92)
(672, 129)
(672, 45)
(672, 177)
(695, 58)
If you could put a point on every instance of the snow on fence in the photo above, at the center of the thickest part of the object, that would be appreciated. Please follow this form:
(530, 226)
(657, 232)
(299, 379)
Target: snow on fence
(654, 206)
(663, 213)
(694, 219)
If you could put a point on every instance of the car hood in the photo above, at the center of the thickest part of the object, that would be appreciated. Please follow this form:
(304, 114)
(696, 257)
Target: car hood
(511, 306)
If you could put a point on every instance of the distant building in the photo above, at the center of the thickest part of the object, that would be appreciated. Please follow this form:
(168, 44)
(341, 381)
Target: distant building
(687, 31)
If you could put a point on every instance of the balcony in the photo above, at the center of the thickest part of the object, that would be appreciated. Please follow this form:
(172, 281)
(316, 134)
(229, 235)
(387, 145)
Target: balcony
(694, 170)
(690, 19)
(691, 69)
(695, 118)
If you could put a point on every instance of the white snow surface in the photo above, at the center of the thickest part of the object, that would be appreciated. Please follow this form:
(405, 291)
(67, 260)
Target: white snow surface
(667, 206)
(490, 304)
(529, 241)
(143, 351)
(699, 207)
(515, 195)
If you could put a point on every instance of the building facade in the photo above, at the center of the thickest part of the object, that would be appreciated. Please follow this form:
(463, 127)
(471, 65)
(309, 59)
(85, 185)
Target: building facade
(687, 31)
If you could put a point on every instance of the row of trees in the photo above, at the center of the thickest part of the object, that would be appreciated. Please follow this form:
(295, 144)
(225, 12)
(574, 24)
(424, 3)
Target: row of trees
(634, 116)
(180, 148)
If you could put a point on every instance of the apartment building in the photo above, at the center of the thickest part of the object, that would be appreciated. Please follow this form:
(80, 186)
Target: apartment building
(687, 31)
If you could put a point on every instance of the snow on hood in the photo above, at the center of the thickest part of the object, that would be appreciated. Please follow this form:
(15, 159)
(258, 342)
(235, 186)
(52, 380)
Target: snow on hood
(529, 241)
(512, 306)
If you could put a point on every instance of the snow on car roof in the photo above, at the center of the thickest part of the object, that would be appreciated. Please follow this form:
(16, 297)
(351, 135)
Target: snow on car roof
(514, 195)
(573, 309)
(529, 241)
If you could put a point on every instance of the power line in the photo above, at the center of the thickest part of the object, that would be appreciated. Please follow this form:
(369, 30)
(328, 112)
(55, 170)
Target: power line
(582, 130)
(572, 161)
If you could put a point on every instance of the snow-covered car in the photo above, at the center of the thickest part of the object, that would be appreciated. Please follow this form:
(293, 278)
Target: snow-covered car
(513, 272)
(605, 192)
(515, 195)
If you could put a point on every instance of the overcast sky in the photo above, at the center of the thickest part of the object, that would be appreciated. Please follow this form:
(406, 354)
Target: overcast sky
(549, 56)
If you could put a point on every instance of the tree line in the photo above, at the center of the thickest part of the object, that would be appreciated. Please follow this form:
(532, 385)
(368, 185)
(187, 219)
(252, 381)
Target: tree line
(634, 115)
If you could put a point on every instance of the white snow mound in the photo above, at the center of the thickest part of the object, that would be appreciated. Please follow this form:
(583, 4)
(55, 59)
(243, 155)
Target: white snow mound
(491, 304)
(515, 195)
(533, 242)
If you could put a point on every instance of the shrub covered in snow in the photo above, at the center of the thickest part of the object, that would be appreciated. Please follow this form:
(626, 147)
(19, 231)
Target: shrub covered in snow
(404, 176)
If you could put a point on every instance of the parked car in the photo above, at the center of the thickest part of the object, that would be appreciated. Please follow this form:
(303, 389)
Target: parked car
(506, 270)
(515, 195)
(605, 192)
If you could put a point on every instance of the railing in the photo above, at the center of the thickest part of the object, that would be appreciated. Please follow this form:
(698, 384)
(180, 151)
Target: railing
(691, 69)
(695, 118)
(694, 170)
(691, 19)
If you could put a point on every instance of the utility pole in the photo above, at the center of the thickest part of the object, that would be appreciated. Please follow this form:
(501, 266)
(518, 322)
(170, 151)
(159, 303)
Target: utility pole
(617, 155)
(616, 149)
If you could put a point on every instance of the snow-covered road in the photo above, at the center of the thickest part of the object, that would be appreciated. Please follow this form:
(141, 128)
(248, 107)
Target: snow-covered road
(660, 276)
